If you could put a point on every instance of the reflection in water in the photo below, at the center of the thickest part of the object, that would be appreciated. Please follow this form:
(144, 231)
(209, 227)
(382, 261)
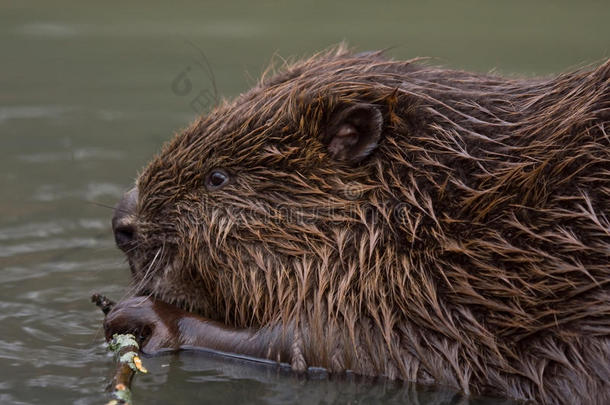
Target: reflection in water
(204, 376)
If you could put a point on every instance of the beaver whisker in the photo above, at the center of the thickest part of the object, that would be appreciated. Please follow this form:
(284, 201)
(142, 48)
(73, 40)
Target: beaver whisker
(152, 263)
(136, 245)
(138, 287)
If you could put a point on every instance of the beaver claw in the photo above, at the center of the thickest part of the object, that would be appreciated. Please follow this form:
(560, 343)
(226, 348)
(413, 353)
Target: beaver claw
(153, 323)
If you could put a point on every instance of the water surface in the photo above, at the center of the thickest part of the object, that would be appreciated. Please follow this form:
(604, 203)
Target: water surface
(88, 93)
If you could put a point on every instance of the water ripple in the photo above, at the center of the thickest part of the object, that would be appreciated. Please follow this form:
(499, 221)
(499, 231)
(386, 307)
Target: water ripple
(93, 191)
(11, 274)
(48, 30)
(87, 154)
(31, 112)
(52, 244)
(50, 228)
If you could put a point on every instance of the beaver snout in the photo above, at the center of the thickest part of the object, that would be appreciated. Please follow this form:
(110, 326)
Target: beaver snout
(123, 220)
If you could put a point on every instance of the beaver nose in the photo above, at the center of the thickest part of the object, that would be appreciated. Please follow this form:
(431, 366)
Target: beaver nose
(123, 221)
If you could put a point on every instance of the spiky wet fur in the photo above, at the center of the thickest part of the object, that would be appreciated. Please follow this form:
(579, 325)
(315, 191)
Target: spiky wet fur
(471, 249)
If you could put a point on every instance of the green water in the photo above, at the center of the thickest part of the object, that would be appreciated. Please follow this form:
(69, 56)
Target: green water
(90, 90)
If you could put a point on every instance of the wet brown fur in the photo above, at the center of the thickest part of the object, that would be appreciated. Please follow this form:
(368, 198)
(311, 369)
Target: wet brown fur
(471, 249)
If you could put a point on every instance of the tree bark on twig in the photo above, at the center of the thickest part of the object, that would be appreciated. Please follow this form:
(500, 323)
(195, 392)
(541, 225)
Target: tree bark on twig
(126, 350)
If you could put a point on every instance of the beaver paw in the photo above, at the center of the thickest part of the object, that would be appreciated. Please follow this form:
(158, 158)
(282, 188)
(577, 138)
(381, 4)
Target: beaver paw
(153, 323)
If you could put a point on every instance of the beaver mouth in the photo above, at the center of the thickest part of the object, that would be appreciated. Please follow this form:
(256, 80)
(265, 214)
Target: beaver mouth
(155, 280)
(149, 264)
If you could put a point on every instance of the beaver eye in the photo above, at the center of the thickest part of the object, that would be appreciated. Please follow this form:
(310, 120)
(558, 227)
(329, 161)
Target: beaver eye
(216, 179)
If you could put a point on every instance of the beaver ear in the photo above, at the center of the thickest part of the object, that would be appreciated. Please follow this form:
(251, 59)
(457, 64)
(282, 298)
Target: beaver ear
(354, 132)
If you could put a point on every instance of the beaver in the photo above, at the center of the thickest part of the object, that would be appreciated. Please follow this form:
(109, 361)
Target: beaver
(391, 218)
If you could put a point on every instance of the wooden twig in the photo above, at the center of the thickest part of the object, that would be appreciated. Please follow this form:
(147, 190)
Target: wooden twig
(102, 303)
(126, 350)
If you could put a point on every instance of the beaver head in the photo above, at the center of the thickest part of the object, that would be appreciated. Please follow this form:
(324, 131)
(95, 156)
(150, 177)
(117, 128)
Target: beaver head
(409, 221)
